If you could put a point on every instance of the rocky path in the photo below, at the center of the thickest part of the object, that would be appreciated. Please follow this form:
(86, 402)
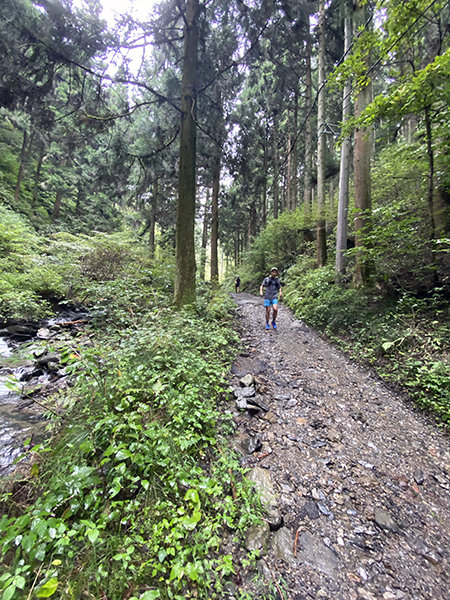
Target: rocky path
(355, 480)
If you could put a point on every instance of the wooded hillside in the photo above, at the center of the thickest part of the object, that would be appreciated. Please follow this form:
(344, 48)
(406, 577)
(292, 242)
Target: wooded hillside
(144, 162)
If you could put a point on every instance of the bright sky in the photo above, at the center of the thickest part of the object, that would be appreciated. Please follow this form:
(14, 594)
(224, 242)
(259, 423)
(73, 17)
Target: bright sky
(137, 8)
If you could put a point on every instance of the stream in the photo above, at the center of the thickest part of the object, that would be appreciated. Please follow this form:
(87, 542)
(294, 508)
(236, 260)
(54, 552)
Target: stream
(20, 417)
(16, 423)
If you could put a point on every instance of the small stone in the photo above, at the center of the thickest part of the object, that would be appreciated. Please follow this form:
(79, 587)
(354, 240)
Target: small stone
(418, 476)
(241, 403)
(291, 403)
(310, 510)
(317, 494)
(333, 435)
(43, 333)
(363, 574)
(247, 381)
(384, 520)
(282, 397)
(283, 544)
(245, 392)
(340, 541)
(313, 551)
(325, 510)
(257, 538)
(271, 417)
(258, 403)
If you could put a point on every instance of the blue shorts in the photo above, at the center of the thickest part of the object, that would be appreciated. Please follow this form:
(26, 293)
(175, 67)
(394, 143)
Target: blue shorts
(273, 302)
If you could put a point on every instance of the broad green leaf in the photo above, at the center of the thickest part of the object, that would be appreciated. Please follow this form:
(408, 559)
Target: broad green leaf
(150, 595)
(48, 589)
(9, 592)
(92, 535)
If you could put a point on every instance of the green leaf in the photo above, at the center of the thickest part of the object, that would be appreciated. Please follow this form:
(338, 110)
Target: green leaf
(150, 595)
(48, 589)
(9, 592)
(19, 582)
(92, 535)
(387, 345)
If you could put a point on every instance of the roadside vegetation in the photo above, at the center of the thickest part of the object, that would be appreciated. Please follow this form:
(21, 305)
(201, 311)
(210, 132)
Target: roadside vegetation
(132, 493)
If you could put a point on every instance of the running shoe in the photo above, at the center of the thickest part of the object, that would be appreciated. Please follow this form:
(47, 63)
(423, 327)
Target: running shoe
(267, 326)
(274, 325)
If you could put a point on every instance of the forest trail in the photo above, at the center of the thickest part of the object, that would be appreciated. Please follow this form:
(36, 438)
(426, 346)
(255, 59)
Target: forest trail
(356, 478)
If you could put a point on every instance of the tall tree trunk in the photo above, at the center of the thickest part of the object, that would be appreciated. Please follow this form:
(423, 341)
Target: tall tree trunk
(264, 190)
(344, 171)
(59, 194)
(185, 288)
(204, 236)
(294, 166)
(287, 196)
(276, 166)
(37, 178)
(152, 218)
(437, 206)
(22, 160)
(215, 215)
(362, 174)
(321, 143)
(57, 205)
(308, 133)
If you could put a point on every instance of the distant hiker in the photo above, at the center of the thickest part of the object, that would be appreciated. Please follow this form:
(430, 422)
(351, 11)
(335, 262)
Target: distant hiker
(273, 286)
(237, 283)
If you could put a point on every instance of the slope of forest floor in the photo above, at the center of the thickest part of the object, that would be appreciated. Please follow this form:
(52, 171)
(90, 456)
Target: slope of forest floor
(355, 478)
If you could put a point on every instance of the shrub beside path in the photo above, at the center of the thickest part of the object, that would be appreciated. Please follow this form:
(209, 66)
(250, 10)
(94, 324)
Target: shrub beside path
(355, 479)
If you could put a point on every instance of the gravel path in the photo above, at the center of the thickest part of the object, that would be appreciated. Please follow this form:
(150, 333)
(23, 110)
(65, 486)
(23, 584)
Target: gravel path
(355, 479)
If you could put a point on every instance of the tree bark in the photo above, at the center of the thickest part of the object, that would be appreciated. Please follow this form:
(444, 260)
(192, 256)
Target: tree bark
(37, 179)
(362, 173)
(152, 218)
(321, 142)
(215, 215)
(344, 171)
(22, 159)
(287, 196)
(294, 166)
(308, 134)
(276, 166)
(185, 288)
(202, 272)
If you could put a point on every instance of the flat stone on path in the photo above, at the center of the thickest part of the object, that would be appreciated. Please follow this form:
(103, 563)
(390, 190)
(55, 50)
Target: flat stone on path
(313, 552)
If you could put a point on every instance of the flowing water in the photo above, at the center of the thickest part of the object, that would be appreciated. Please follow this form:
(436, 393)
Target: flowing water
(18, 420)
(20, 417)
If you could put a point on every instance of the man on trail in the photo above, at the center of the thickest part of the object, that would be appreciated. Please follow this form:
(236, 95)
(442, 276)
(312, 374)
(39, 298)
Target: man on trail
(237, 283)
(273, 286)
